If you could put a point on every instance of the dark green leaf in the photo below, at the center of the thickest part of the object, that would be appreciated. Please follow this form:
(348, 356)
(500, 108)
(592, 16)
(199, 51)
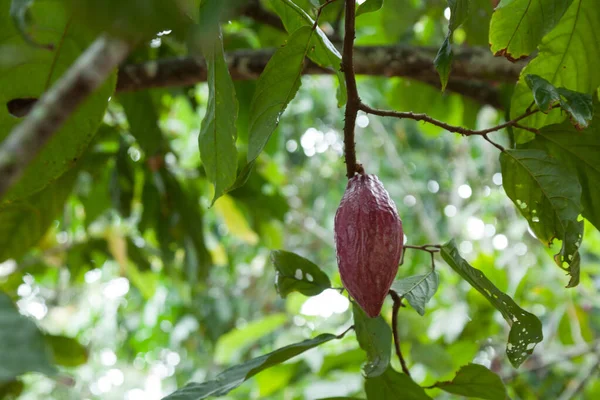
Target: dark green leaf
(443, 61)
(375, 338)
(122, 183)
(143, 120)
(526, 328)
(235, 376)
(392, 385)
(517, 26)
(11, 390)
(548, 195)
(580, 151)
(67, 352)
(545, 94)
(474, 380)
(22, 346)
(418, 289)
(297, 274)
(369, 6)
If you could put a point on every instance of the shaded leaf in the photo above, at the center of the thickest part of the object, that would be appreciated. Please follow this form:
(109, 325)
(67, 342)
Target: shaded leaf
(459, 10)
(418, 289)
(526, 328)
(297, 274)
(375, 338)
(67, 351)
(142, 117)
(369, 6)
(11, 390)
(517, 26)
(545, 94)
(22, 346)
(548, 195)
(235, 376)
(391, 384)
(122, 182)
(474, 380)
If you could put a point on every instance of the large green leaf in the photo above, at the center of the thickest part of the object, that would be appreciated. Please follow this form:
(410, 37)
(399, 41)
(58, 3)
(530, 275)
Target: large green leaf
(218, 132)
(325, 53)
(375, 338)
(24, 222)
(548, 195)
(474, 380)
(67, 351)
(31, 72)
(567, 58)
(517, 26)
(275, 88)
(443, 60)
(580, 151)
(235, 376)
(392, 385)
(526, 328)
(418, 289)
(22, 346)
(297, 274)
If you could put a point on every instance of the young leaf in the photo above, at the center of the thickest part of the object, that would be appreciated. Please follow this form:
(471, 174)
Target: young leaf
(459, 10)
(369, 6)
(580, 151)
(518, 26)
(418, 289)
(392, 385)
(218, 133)
(562, 53)
(526, 328)
(375, 338)
(67, 352)
(233, 377)
(474, 380)
(275, 88)
(297, 274)
(549, 196)
(22, 346)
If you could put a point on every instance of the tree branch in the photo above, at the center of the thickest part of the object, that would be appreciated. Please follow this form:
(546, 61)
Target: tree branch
(397, 304)
(353, 103)
(49, 113)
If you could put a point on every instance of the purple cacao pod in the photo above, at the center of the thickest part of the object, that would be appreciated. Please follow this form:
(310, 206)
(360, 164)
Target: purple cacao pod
(368, 242)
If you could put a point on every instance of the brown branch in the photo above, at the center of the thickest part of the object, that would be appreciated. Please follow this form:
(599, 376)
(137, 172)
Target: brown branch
(353, 103)
(49, 113)
(397, 304)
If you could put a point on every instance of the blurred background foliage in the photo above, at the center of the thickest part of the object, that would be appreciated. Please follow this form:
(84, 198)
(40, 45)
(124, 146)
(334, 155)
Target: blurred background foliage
(159, 289)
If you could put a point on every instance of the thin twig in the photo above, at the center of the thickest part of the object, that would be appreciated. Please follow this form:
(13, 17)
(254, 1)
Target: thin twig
(353, 103)
(397, 304)
(341, 335)
(320, 10)
(52, 110)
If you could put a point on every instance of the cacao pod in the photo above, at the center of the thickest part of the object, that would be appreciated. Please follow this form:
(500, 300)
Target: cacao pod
(369, 241)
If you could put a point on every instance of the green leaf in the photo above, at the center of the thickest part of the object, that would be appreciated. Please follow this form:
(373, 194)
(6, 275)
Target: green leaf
(518, 26)
(443, 60)
(548, 195)
(233, 342)
(369, 6)
(235, 376)
(11, 390)
(67, 352)
(579, 151)
(391, 384)
(418, 289)
(526, 328)
(297, 274)
(325, 53)
(562, 59)
(276, 87)
(218, 132)
(578, 105)
(19, 13)
(35, 70)
(474, 380)
(122, 183)
(142, 117)
(375, 338)
(24, 222)
(22, 346)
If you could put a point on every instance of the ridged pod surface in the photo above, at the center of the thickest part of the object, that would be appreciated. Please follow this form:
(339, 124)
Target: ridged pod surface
(368, 241)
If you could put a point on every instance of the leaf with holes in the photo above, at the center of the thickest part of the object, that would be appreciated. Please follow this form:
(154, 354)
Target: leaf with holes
(390, 384)
(31, 72)
(548, 195)
(459, 10)
(474, 380)
(563, 56)
(418, 289)
(375, 338)
(297, 274)
(233, 377)
(526, 328)
(517, 26)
